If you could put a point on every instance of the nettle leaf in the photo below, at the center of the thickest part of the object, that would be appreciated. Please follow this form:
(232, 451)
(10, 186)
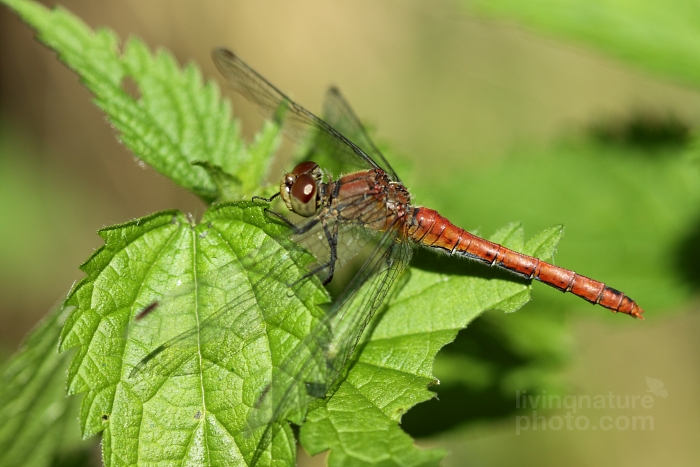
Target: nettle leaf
(213, 282)
(172, 120)
(360, 422)
(38, 420)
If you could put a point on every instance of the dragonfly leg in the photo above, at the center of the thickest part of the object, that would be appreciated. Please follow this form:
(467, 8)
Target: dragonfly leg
(280, 217)
(333, 246)
(332, 238)
(267, 200)
(296, 229)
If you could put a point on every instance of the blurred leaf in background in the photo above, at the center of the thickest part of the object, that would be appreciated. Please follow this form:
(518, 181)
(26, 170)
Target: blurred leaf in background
(39, 426)
(662, 36)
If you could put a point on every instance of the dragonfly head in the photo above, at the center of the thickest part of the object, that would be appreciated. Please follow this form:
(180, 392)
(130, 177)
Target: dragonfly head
(299, 189)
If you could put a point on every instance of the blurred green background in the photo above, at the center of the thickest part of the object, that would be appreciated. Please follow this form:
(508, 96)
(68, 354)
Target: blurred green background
(571, 112)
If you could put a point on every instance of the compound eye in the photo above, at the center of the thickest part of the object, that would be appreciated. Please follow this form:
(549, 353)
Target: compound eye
(305, 168)
(304, 195)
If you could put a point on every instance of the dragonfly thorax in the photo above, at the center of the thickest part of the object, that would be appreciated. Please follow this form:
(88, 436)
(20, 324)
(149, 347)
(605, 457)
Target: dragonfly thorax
(299, 189)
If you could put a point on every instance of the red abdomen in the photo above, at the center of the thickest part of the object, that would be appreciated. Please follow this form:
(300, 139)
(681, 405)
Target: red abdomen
(427, 227)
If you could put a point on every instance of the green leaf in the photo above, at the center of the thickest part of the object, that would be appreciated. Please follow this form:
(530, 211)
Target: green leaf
(360, 423)
(172, 120)
(213, 277)
(38, 420)
(660, 36)
(234, 325)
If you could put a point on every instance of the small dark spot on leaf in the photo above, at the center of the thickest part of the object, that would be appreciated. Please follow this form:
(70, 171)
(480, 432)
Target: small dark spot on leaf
(143, 313)
(131, 88)
(198, 415)
(105, 417)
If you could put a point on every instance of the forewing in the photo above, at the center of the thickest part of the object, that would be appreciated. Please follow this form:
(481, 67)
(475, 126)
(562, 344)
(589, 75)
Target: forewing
(298, 123)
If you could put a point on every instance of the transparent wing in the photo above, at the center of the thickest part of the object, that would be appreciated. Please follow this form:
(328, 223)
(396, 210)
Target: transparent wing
(338, 114)
(353, 309)
(298, 123)
(234, 305)
(313, 368)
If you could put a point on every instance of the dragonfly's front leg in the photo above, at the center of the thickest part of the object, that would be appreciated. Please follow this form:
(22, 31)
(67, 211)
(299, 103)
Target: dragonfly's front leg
(289, 223)
(331, 237)
(267, 200)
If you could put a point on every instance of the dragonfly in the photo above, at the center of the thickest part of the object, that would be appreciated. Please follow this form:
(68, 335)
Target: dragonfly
(366, 206)
(375, 199)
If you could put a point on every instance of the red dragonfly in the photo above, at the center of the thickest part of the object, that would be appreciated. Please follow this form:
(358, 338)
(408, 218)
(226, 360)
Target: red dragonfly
(368, 205)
